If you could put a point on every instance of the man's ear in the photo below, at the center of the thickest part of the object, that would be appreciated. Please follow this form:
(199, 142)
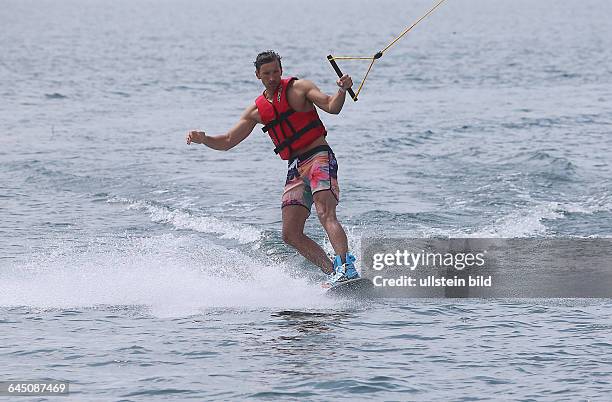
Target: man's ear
(257, 75)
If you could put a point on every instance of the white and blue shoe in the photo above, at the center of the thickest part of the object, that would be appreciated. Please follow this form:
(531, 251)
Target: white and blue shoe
(342, 271)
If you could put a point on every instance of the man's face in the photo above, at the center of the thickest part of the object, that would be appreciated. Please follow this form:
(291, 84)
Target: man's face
(270, 75)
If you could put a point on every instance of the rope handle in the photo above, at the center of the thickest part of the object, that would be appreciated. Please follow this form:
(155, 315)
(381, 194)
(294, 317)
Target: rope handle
(332, 59)
(339, 72)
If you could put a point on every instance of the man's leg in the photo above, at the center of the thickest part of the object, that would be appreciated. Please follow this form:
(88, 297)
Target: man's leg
(294, 218)
(325, 203)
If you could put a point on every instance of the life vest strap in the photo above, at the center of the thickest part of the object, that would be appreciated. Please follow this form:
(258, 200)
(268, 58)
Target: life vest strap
(282, 117)
(288, 141)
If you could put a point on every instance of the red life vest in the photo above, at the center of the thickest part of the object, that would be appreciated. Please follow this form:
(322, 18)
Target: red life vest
(288, 129)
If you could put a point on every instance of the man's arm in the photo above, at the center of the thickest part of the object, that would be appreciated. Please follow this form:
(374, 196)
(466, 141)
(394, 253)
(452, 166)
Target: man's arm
(331, 104)
(233, 137)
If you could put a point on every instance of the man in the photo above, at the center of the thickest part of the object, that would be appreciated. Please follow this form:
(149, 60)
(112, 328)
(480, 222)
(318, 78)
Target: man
(287, 110)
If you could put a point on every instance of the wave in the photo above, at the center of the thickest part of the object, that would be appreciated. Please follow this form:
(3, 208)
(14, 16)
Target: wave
(532, 218)
(543, 164)
(181, 219)
(170, 275)
(55, 95)
(530, 221)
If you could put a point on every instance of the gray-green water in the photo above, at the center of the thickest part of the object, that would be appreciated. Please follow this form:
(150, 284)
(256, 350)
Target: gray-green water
(140, 268)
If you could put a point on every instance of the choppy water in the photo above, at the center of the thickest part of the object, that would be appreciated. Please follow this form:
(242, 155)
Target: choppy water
(139, 268)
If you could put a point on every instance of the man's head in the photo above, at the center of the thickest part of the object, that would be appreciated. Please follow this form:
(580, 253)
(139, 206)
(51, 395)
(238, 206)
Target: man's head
(268, 69)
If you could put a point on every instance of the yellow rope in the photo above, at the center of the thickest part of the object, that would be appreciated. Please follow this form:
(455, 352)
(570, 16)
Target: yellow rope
(352, 58)
(364, 78)
(412, 26)
(379, 54)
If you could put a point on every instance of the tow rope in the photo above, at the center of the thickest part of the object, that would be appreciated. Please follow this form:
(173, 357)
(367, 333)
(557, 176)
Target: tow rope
(378, 55)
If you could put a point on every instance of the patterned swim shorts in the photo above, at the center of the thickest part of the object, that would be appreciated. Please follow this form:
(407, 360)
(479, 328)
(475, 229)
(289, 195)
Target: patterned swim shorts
(315, 170)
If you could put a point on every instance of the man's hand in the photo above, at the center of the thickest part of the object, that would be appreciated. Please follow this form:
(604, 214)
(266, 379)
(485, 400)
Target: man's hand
(196, 136)
(345, 82)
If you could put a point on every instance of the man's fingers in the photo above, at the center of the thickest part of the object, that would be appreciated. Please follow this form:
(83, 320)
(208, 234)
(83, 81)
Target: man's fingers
(191, 137)
(196, 136)
(345, 81)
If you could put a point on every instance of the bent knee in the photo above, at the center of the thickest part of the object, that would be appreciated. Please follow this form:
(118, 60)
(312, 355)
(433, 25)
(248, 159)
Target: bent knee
(326, 216)
(291, 237)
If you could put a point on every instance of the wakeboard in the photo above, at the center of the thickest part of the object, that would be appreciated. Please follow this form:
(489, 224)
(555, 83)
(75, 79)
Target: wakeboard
(352, 288)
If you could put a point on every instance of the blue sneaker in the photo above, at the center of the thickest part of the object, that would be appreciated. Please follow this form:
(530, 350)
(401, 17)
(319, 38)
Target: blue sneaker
(351, 271)
(343, 272)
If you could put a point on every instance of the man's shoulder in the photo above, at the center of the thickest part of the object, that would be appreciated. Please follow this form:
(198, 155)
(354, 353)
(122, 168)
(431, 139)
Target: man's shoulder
(252, 113)
(301, 87)
(302, 84)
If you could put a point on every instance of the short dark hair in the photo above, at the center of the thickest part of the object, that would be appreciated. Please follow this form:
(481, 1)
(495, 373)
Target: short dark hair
(267, 57)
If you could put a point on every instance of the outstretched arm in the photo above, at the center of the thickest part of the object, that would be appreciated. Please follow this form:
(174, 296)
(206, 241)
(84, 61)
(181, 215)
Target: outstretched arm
(331, 104)
(233, 137)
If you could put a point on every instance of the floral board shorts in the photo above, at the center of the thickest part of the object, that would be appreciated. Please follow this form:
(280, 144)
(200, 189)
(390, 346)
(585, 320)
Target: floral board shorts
(313, 171)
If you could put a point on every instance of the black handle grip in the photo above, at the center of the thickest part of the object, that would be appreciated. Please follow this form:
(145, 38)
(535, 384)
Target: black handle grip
(337, 69)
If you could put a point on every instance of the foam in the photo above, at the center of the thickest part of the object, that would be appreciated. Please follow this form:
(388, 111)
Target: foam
(171, 275)
(523, 222)
(528, 221)
(184, 220)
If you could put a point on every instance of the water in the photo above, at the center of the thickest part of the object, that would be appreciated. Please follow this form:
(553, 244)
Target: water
(137, 267)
